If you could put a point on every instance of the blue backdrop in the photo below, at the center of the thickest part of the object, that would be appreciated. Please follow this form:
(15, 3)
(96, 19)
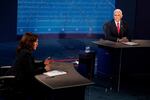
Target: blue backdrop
(67, 16)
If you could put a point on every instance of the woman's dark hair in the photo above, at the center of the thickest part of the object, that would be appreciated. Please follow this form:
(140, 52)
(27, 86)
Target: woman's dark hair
(27, 41)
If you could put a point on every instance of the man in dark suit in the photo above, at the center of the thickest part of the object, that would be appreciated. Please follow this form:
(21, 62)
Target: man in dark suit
(116, 29)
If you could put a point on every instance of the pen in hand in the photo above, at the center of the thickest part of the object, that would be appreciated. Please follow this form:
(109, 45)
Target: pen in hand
(48, 60)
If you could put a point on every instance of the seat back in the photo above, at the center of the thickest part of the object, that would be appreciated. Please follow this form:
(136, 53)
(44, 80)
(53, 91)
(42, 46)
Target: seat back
(6, 82)
(4, 69)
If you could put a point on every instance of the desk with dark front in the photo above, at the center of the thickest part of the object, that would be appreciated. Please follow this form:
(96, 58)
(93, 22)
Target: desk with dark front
(111, 44)
(65, 86)
(128, 61)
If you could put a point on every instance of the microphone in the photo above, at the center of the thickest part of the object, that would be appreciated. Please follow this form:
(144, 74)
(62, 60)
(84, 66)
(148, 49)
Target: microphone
(122, 28)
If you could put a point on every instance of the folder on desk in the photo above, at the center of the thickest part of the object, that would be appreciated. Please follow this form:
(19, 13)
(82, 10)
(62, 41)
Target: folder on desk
(54, 73)
(130, 43)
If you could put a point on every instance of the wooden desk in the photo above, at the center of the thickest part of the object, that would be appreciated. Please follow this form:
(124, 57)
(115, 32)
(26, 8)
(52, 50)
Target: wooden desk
(72, 83)
(111, 44)
(121, 50)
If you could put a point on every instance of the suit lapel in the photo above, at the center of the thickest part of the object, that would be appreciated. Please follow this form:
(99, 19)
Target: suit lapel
(121, 27)
(115, 27)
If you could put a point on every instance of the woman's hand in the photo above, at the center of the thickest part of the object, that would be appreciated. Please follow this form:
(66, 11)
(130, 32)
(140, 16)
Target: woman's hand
(48, 64)
(48, 67)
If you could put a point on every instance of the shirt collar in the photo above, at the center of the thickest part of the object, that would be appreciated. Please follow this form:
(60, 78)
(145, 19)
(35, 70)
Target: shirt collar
(117, 22)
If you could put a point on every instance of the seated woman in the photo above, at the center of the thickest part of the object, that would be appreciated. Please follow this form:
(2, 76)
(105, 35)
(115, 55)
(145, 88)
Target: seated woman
(24, 68)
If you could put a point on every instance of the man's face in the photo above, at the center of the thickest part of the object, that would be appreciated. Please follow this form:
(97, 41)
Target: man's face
(117, 16)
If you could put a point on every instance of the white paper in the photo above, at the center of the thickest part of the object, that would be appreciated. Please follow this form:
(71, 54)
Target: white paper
(130, 43)
(55, 73)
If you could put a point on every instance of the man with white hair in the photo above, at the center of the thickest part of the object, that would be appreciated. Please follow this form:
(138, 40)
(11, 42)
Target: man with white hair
(116, 29)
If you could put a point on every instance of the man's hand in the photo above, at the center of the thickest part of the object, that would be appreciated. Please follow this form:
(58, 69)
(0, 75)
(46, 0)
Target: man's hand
(124, 39)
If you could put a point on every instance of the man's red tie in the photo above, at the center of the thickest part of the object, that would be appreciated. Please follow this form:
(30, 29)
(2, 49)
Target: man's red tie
(118, 28)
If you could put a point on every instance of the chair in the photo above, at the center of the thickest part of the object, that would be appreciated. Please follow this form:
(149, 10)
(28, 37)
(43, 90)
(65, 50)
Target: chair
(6, 83)
(9, 90)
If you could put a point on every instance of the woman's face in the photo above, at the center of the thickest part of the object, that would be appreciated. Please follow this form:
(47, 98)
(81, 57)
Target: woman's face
(35, 44)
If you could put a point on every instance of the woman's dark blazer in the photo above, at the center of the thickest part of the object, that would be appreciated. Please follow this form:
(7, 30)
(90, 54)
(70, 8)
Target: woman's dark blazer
(24, 69)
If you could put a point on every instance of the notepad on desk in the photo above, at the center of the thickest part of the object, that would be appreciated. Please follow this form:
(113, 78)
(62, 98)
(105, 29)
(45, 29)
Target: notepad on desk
(55, 73)
(130, 43)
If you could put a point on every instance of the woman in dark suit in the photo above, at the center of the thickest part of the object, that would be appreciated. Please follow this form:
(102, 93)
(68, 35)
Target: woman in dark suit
(117, 29)
(24, 68)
